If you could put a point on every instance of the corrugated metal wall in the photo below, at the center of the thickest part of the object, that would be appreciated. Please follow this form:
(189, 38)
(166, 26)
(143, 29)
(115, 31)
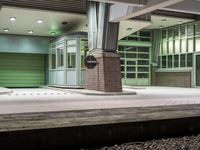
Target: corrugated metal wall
(22, 70)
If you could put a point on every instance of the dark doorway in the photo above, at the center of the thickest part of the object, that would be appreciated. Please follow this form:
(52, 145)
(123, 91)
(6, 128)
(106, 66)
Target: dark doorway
(197, 70)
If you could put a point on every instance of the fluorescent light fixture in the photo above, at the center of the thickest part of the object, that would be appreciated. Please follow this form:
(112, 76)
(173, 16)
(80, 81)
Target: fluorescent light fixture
(12, 19)
(161, 27)
(6, 30)
(164, 20)
(39, 21)
(129, 29)
(30, 31)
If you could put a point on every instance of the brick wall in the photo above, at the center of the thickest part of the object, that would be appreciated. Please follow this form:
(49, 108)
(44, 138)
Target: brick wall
(173, 79)
(106, 76)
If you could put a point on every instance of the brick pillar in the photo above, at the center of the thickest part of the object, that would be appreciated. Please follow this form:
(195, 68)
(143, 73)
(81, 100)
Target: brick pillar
(106, 76)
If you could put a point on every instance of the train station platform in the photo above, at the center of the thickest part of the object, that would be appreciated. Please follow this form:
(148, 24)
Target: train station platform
(59, 119)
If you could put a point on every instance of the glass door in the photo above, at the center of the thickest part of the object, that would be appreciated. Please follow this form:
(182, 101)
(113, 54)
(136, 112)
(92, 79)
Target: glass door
(197, 70)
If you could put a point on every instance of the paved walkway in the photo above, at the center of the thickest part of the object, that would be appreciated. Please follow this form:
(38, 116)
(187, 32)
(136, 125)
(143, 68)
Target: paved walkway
(48, 100)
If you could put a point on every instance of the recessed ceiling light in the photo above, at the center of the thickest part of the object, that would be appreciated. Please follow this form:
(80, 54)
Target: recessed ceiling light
(39, 21)
(161, 27)
(30, 31)
(6, 30)
(53, 33)
(129, 29)
(12, 19)
(164, 20)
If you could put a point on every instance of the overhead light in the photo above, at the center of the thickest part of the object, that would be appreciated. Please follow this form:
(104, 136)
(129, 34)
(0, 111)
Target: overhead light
(6, 30)
(53, 33)
(30, 31)
(164, 20)
(129, 29)
(39, 21)
(161, 27)
(12, 19)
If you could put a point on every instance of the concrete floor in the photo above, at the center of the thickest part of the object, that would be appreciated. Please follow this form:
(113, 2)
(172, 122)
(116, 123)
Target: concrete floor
(50, 100)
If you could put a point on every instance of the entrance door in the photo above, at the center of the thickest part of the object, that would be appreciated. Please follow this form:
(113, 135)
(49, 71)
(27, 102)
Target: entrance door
(197, 70)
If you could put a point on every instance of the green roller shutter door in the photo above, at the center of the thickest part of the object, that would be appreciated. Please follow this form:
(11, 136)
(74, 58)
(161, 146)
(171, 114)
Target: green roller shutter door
(22, 70)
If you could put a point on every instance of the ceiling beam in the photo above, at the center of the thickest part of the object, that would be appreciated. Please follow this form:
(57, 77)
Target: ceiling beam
(121, 12)
(128, 2)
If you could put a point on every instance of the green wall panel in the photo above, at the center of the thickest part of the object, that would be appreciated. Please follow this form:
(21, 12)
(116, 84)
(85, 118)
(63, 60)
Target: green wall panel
(22, 70)
(24, 44)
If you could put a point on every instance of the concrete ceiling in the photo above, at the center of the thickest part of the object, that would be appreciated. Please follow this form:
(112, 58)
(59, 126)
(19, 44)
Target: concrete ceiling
(157, 21)
(52, 22)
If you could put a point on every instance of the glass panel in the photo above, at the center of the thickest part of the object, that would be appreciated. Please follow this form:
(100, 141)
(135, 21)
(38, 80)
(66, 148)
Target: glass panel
(60, 57)
(164, 34)
(120, 48)
(183, 60)
(190, 29)
(133, 38)
(130, 69)
(53, 59)
(171, 48)
(122, 68)
(143, 62)
(170, 34)
(177, 46)
(131, 49)
(122, 75)
(130, 75)
(131, 62)
(145, 33)
(71, 60)
(164, 61)
(183, 46)
(143, 49)
(176, 61)
(190, 45)
(176, 32)
(131, 55)
(145, 39)
(182, 31)
(189, 60)
(143, 75)
(170, 61)
(159, 61)
(143, 56)
(197, 28)
(143, 69)
(165, 48)
(198, 70)
(82, 61)
(71, 49)
(197, 44)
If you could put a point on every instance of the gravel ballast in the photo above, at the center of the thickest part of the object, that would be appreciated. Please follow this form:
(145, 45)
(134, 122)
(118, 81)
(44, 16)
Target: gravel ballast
(183, 143)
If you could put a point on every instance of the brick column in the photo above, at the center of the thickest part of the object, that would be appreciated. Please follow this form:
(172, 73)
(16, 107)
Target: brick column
(106, 76)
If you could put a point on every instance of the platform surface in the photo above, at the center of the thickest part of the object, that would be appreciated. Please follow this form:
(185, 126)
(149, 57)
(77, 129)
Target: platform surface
(48, 100)
(48, 108)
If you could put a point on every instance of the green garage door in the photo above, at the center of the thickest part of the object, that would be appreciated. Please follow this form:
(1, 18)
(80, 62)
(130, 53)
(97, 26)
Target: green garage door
(22, 70)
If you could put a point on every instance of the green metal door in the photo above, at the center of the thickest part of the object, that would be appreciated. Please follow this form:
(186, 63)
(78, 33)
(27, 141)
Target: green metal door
(22, 70)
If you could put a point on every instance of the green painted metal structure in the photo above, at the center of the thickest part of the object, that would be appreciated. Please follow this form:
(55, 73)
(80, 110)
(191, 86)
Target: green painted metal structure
(22, 70)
